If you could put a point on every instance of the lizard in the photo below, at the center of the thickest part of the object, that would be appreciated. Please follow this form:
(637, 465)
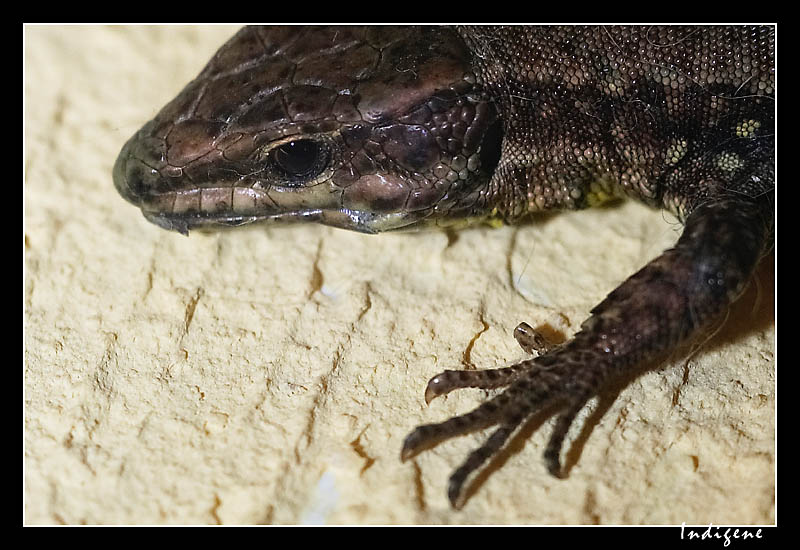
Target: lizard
(386, 128)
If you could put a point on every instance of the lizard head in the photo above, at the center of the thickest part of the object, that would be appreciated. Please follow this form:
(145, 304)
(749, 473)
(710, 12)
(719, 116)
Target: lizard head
(365, 128)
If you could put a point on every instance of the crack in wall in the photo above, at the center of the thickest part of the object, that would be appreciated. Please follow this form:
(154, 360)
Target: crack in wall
(190, 309)
(317, 279)
(466, 358)
(361, 452)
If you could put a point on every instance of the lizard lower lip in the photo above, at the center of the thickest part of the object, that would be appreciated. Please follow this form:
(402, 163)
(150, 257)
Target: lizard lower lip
(353, 220)
(185, 221)
(182, 223)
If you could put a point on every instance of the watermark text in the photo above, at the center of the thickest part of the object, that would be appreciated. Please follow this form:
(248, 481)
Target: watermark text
(725, 534)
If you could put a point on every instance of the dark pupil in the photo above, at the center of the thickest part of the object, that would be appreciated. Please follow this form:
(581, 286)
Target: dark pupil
(297, 158)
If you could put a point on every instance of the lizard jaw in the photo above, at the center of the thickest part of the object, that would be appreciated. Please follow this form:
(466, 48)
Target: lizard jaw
(354, 220)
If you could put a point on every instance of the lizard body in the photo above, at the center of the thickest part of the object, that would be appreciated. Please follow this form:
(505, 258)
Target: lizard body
(382, 128)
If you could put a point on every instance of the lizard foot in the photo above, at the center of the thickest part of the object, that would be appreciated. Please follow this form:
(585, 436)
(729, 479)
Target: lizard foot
(666, 302)
(531, 386)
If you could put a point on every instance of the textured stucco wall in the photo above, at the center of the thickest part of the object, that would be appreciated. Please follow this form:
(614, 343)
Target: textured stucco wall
(269, 375)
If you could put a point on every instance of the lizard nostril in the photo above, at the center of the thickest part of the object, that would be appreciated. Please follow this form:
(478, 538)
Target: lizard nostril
(128, 175)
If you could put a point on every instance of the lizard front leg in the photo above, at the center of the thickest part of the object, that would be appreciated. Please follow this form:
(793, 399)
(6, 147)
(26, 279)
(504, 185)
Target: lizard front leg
(670, 300)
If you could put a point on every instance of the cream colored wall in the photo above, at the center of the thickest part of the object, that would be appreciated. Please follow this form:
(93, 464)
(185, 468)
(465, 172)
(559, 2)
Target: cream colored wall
(269, 375)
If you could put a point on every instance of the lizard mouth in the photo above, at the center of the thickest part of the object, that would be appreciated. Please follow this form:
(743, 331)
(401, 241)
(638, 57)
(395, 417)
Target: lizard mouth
(215, 207)
(184, 222)
(344, 218)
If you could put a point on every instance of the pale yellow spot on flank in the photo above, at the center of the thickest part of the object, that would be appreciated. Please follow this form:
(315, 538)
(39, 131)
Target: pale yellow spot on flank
(747, 128)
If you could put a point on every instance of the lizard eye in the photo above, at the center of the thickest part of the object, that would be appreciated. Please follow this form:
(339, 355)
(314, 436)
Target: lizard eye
(300, 160)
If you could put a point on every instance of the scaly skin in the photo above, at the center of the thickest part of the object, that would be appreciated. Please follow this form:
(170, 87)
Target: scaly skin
(383, 128)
